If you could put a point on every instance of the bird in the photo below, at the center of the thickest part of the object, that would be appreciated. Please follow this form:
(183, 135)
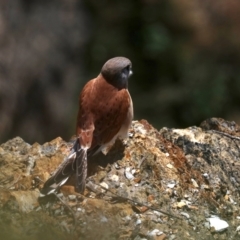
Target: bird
(105, 114)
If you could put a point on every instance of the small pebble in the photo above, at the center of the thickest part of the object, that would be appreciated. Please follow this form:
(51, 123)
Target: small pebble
(104, 219)
(72, 197)
(139, 221)
(155, 232)
(217, 223)
(238, 229)
(103, 184)
(185, 215)
(128, 174)
(114, 178)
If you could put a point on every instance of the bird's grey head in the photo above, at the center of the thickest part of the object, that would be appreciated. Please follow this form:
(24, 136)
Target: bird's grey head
(117, 71)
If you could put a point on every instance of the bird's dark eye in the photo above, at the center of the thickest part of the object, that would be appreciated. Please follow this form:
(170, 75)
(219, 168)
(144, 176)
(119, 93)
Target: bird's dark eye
(129, 69)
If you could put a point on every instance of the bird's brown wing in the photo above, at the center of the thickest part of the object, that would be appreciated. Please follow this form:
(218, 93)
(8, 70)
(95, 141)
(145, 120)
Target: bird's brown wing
(85, 123)
(102, 111)
(113, 119)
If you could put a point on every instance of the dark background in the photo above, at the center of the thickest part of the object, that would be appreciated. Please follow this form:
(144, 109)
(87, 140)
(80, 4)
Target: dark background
(185, 57)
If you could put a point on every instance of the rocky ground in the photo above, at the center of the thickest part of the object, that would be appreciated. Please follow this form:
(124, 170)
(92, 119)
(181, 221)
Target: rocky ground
(167, 184)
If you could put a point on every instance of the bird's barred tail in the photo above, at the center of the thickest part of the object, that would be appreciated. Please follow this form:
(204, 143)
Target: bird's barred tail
(81, 173)
(75, 162)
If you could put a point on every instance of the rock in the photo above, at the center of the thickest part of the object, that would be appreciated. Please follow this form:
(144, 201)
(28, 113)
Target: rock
(217, 224)
(22, 201)
(128, 173)
(149, 182)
